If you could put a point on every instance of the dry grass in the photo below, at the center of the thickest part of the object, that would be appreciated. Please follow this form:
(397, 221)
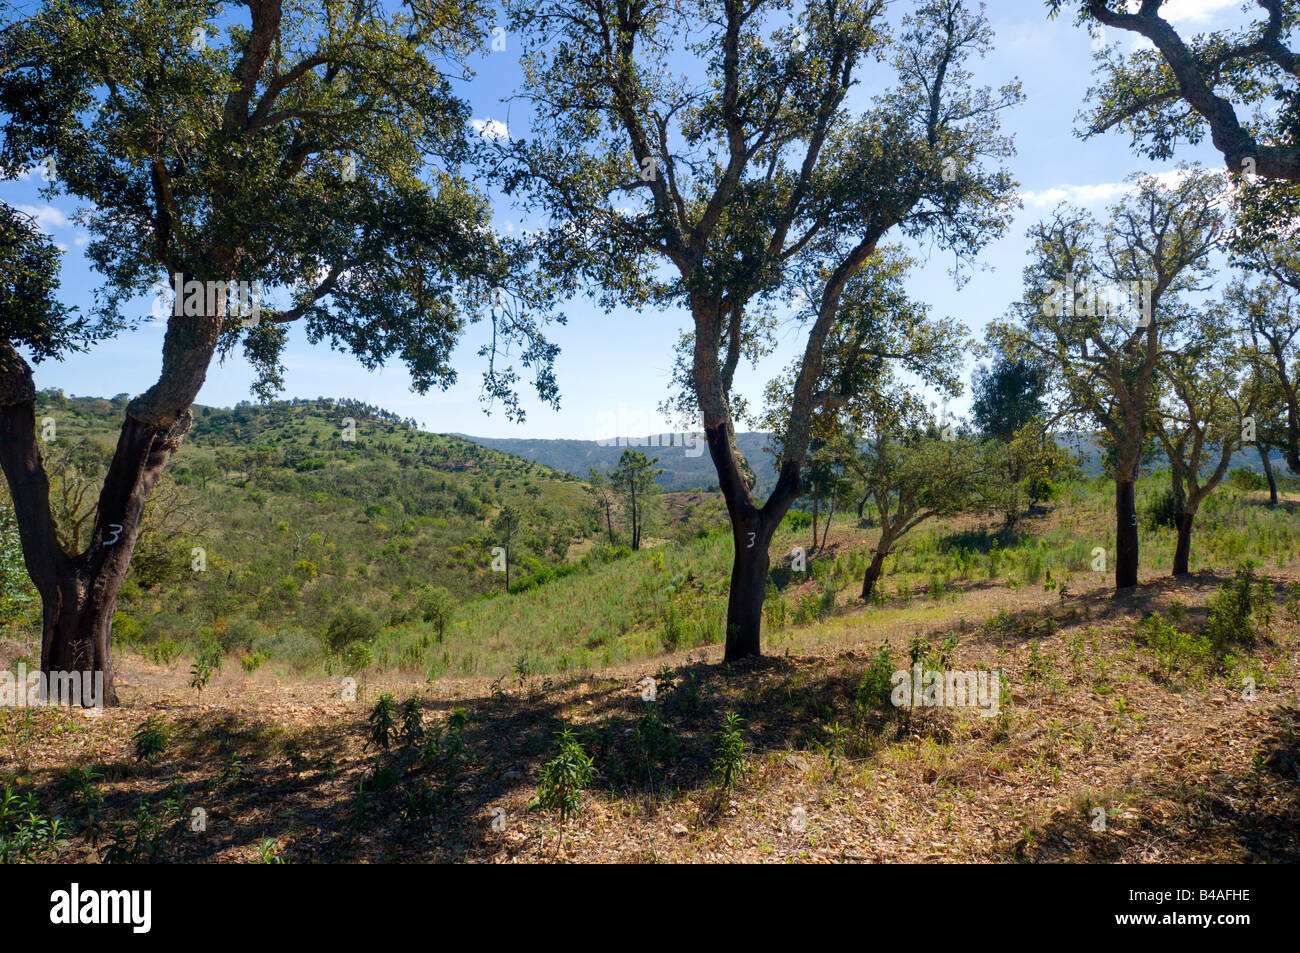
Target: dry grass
(1186, 769)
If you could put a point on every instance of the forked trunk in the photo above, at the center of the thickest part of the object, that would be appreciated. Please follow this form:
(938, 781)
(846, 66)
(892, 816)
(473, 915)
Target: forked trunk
(79, 592)
(1126, 535)
(872, 575)
(1183, 550)
(752, 529)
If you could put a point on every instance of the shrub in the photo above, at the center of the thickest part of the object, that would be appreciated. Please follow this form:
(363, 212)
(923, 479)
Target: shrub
(205, 666)
(438, 609)
(729, 761)
(26, 834)
(1243, 478)
(127, 630)
(563, 779)
(1160, 509)
(877, 681)
(150, 740)
(796, 519)
(670, 636)
(1175, 649)
(348, 626)
(1229, 619)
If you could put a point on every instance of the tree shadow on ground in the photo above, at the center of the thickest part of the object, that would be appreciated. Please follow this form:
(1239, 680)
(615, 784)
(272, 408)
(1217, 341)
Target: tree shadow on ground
(1247, 815)
(329, 803)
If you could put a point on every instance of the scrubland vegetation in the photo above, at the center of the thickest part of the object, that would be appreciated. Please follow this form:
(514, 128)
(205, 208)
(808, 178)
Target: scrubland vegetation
(581, 716)
(877, 631)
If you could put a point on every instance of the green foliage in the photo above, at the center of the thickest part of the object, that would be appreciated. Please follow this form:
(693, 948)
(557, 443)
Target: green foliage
(269, 852)
(796, 520)
(423, 242)
(27, 834)
(877, 682)
(382, 723)
(1160, 509)
(150, 740)
(1230, 613)
(350, 625)
(1176, 650)
(1245, 479)
(17, 594)
(82, 784)
(438, 608)
(1007, 396)
(205, 666)
(633, 482)
(730, 750)
(654, 747)
(145, 838)
(563, 778)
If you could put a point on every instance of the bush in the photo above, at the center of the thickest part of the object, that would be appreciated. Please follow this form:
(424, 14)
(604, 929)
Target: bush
(1230, 613)
(877, 681)
(349, 626)
(671, 634)
(796, 519)
(1175, 649)
(562, 780)
(127, 630)
(1243, 478)
(729, 761)
(239, 634)
(438, 609)
(1160, 509)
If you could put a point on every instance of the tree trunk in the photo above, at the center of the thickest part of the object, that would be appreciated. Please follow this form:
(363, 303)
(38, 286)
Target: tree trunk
(79, 593)
(872, 574)
(75, 633)
(636, 526)
(816, 510)
(748, 590)
(1126, 535)
(751, 529)
(1183, 524)
(1268, 474)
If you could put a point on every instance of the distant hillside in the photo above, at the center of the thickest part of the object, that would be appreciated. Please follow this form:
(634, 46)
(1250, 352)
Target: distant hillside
(273, 522)
(1089, 451)
(685, 468)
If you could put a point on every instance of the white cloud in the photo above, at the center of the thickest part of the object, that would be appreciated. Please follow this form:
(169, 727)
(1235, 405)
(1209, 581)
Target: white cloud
(1077, 194)
(1195, 10)
(47, 217)
(490, 128)
(1098, 193)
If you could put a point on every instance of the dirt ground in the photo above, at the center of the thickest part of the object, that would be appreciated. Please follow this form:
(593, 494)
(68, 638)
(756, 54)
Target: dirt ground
(1097, 753)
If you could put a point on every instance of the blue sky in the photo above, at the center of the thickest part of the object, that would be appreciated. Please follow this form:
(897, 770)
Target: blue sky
(618, 365)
